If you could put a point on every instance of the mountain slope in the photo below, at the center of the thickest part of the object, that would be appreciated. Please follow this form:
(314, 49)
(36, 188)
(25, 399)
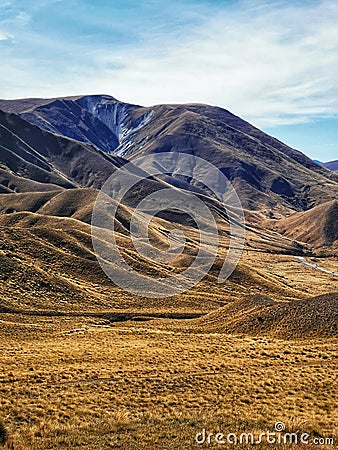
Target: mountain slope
(67, 118)
(99, 120)
(36, 160)
(267, 174)
(264, 176)
(332, 165)
(316, 227)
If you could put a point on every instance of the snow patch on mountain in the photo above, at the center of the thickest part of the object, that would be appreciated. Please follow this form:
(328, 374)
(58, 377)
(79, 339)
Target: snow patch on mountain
(115, 115)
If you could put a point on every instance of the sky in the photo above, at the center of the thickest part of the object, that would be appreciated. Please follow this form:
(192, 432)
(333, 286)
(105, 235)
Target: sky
(272, 62)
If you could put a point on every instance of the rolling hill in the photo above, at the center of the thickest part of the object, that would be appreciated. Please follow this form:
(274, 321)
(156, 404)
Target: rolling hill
(57, 153)
(317, 227)
(258, 315)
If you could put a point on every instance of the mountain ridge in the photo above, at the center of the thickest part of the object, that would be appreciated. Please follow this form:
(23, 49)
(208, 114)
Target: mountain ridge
(30, 153)
(331, 165)
(267, 174)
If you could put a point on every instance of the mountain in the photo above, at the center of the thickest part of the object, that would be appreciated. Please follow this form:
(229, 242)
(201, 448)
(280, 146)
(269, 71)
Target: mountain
(57, 153)
(332, 165)
(33, 159)
(267, 174)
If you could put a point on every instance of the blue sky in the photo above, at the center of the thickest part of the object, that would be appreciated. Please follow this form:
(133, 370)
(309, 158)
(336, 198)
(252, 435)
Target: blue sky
(273, 62)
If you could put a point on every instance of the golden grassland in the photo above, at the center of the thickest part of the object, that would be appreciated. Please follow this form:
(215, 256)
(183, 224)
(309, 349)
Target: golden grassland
(82, 366)
(85, 383)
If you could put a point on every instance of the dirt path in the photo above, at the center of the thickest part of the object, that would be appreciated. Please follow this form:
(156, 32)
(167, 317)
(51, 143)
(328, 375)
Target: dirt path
(314, 266)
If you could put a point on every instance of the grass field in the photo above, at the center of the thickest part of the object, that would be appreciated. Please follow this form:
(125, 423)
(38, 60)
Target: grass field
(84, 383)
(83, 366)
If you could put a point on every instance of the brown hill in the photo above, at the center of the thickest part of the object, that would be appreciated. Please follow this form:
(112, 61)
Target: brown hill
(75, 203)
(315, 317)
(9, 183)
(47, 262)
(316, 227)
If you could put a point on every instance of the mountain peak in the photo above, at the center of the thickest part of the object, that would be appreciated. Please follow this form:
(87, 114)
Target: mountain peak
(267, 174)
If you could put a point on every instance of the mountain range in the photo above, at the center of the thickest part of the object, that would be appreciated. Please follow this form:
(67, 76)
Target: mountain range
(57, 153)
(94, 134)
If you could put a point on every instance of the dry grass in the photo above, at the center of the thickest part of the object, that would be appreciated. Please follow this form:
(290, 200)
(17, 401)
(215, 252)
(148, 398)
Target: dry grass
(74, 377)
(317, 226)
(80, 383)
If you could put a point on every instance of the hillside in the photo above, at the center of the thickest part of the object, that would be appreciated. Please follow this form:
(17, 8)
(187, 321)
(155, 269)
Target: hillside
(316, 227)
(269, 176)
(36, 160)
(314, 317)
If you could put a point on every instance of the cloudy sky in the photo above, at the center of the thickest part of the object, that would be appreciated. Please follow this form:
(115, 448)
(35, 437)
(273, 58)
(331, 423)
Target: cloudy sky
(272, 62)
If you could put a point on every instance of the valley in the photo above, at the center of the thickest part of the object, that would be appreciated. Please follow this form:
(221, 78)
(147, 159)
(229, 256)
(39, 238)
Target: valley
(88, 364)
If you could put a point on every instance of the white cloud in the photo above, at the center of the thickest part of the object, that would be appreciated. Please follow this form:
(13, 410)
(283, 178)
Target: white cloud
(6, 37)
(270, 62)
(276, 67)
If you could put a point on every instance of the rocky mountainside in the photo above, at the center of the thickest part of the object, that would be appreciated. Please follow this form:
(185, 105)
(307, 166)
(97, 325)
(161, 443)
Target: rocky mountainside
(33, 159)
(269, 176)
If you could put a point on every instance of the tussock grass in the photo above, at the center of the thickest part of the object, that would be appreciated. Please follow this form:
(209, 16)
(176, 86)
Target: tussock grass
(142, 385)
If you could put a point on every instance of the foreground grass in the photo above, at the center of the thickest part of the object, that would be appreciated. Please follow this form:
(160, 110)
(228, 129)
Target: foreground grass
(149, 433)
(84, 384)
